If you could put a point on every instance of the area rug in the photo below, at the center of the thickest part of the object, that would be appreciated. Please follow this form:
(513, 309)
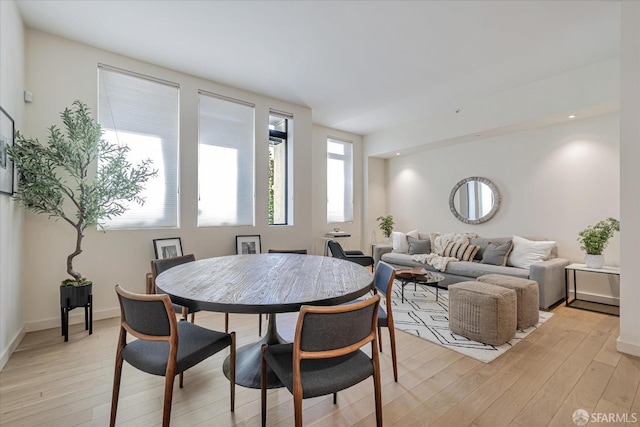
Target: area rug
(421, 315)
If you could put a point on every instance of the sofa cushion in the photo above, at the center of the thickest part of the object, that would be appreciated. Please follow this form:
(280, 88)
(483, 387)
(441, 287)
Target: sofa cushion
(526, 252)
(476, 269)
(496, 254)
(418, 246)
(458, 268)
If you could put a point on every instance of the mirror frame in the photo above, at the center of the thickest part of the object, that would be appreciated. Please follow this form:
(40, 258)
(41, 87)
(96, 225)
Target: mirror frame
(496, 200)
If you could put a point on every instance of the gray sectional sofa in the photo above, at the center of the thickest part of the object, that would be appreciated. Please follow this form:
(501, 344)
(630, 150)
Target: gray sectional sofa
(549, 274)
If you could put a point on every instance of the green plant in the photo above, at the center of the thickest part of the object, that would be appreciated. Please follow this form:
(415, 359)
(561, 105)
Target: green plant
(77, 176)
(386, 224)
(595, 238)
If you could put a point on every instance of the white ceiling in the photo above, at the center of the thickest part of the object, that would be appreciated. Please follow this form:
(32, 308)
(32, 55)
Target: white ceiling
(361, 66)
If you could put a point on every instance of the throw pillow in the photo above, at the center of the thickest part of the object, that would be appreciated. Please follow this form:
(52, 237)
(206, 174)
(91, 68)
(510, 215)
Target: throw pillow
(453, 248)
(399, 241)
(526, 252)
(461, 250)
(439, 240)
(496, 254)
(470, 253)
(418, 246)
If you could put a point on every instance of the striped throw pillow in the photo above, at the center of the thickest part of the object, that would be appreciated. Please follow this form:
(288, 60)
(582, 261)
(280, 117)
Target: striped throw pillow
(462, 251)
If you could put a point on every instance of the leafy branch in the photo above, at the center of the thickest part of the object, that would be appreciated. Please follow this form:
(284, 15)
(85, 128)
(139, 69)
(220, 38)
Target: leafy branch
(77, 176)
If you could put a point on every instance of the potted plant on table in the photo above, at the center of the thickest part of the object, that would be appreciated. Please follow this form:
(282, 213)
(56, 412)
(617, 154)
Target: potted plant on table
(386, 225)
(80, 178)
(595, 238)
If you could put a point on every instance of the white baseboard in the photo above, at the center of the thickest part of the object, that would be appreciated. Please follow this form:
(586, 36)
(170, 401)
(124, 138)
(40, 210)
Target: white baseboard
(75, 316)
(628, 348)
(14, 344)
(603, 299)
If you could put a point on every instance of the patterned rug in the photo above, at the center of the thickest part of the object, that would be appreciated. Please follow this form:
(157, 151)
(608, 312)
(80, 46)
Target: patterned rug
(421, 315)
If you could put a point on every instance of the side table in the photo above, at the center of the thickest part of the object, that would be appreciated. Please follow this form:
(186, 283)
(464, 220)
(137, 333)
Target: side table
(583, 304)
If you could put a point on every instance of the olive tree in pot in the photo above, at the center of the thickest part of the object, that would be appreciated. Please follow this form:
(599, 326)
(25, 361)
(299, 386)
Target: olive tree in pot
(80, 178)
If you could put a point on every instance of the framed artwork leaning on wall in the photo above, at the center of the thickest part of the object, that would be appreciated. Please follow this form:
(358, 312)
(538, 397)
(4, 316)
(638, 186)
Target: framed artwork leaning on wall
(167, 248)
(249, 244)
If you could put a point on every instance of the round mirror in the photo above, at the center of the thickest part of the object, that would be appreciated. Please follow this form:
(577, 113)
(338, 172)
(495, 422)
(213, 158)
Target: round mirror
(474, 200)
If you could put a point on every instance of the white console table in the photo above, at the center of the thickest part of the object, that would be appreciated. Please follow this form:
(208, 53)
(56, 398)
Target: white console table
(583, 304)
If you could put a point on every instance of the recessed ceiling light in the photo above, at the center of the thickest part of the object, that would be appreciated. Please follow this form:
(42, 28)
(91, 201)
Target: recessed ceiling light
(397, 154)
(573, 116)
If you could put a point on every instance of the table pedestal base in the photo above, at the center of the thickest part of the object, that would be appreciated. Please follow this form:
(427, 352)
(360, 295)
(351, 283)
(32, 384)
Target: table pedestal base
(248, 359)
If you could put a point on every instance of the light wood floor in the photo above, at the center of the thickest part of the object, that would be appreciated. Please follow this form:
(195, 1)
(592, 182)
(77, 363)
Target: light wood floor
(567, 364)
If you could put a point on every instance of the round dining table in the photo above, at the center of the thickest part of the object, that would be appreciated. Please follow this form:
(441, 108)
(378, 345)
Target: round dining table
(263, 283)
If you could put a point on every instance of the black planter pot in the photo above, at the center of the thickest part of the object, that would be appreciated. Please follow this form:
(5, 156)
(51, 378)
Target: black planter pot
(72, 297)
(75, 296)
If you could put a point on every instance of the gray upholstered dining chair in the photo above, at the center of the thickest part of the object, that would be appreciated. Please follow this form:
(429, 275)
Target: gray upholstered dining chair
(325, 355)
(383, 283)
(355, 256)
(163, 346)
(160, 265)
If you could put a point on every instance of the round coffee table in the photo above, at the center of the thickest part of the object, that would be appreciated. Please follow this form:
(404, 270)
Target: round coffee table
(418, 275)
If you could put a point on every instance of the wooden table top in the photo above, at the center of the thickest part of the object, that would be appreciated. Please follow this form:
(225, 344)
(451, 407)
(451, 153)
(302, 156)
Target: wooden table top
(264, 283)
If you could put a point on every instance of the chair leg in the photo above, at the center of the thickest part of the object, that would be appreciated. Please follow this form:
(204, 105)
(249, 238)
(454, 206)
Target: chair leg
(380, 338)
(116, 390)
(185, 313)
(226, 323)
(193, 317)
(260, 325)
(297, 409)
(394, 358)
(335, 398)
(232, 371)
(181, 376)
(263, 386)
(168, 396)
(376, 385)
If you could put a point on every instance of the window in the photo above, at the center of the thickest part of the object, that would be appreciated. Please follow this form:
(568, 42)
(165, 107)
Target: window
(225, 161)
(279, 170)
(339, 181)
(143, 113)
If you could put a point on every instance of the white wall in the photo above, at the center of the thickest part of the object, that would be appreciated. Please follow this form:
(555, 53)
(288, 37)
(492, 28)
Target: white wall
(629, 340)
(554, 182)
(60, 71)
(376, 179)
(12, 58)
(319, 174)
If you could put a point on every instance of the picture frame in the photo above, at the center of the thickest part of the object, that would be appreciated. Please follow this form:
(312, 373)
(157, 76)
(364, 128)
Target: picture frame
(167, 248)
(7, 136)
(248, 244)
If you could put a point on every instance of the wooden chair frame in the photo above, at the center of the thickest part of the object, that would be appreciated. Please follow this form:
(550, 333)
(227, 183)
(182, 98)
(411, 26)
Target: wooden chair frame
(299, 355)
(392, 331)
(172, 339)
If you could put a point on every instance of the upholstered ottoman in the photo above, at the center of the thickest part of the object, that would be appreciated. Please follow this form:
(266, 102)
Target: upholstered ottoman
(482, 312)
(527, 293)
